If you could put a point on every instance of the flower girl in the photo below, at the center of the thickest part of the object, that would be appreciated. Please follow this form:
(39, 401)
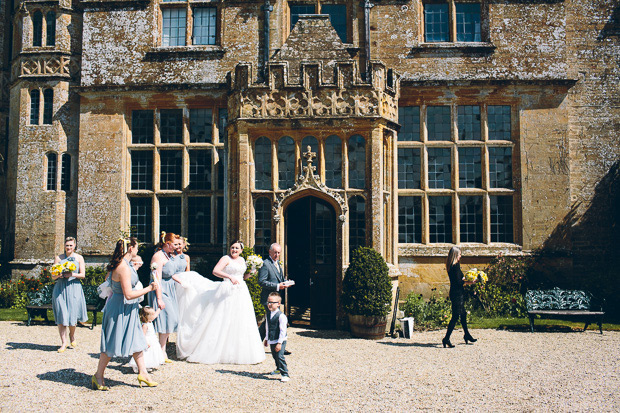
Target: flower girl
(153, 356)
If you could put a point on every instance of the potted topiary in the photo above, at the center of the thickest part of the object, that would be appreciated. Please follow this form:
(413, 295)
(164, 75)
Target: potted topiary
(367, 294)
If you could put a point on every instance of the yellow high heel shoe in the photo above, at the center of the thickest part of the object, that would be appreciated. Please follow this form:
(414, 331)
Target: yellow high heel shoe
(96, 385)
(142, 380)
(74, 344)
(62, 349)
(167, 361)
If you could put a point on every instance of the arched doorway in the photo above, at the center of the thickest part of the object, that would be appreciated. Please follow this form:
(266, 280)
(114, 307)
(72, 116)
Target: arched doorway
(310, 239)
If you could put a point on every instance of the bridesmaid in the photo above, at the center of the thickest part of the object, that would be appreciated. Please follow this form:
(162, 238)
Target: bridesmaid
(121, 330)
(165, 297)
(68, 303)
(180, 247)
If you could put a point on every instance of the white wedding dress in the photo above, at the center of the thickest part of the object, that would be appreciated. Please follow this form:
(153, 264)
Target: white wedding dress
(216, 319)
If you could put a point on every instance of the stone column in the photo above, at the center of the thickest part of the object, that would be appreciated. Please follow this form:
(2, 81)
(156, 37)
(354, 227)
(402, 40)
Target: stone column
(241, 210)
(374, 209)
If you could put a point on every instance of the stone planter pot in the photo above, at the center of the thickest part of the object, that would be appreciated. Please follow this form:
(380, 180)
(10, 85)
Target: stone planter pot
(369, 327)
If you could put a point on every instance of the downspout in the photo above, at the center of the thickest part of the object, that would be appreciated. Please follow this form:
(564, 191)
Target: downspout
(367, 7)
(268, 8)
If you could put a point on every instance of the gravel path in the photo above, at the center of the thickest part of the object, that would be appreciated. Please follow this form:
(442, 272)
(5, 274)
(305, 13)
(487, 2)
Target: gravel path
(503, 371)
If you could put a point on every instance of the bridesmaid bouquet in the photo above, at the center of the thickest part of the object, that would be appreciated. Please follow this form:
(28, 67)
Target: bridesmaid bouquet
(67, 266)
(474, 275)
(254, 262)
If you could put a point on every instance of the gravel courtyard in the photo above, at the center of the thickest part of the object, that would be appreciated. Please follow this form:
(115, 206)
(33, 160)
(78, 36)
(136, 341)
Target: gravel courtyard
(504, 370)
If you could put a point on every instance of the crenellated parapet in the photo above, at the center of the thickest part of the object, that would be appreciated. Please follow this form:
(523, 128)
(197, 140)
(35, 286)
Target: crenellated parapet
(348, 96)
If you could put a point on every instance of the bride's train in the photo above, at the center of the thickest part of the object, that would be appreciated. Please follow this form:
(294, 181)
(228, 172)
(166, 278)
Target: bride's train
(216, 321)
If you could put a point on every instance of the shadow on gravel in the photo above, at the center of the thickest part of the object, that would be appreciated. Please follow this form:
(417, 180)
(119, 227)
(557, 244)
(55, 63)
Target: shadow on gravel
(259, 376)
(76, 378)
(326, 334)
(400, 344)
(31, 346)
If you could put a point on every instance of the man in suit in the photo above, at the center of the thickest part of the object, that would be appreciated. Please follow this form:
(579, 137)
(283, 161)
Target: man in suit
(271, 278)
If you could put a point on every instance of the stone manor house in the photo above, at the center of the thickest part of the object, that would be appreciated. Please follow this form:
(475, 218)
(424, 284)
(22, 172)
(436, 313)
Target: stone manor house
(404, 125)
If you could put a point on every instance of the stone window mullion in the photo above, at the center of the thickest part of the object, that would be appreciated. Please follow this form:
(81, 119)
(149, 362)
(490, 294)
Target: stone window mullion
(189, 25)
(452, 13)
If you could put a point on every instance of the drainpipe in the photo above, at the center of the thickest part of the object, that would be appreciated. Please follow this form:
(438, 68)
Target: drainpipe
(367, 7)
(267, 8)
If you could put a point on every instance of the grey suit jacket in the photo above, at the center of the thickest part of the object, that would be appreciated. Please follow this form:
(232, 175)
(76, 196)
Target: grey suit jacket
(269, 277)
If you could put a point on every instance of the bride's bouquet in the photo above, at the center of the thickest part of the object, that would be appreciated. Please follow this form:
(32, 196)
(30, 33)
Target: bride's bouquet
(254, 262)
(475, 276)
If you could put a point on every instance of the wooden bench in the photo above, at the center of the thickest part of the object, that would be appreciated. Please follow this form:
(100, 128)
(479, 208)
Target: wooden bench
(558, 303)
(41, 301)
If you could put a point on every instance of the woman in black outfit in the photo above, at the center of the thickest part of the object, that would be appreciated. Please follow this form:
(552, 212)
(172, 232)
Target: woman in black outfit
(457, 297)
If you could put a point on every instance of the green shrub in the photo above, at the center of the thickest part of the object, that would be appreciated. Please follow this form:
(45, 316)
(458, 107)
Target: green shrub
(95, 275)
(367, 288)
(254, 287)
(430, 314)
(14, 294)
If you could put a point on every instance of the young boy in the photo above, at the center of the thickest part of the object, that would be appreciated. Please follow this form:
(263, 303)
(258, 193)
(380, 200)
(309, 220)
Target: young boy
(275, 327)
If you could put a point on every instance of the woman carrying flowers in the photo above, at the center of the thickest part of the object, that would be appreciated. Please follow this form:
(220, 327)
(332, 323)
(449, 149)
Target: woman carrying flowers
(68, 301)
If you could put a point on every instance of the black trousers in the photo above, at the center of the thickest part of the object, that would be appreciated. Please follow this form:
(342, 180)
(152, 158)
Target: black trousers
(458, 311)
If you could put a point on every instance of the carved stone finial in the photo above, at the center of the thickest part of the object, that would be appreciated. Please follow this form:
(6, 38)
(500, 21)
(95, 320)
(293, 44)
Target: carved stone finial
(309, 155)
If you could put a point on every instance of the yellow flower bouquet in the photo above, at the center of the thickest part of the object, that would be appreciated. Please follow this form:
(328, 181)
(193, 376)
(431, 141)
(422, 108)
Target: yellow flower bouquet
(67, 266)
(474, 276)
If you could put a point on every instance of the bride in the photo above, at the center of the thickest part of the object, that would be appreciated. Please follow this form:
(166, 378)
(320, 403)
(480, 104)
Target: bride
(216, 319)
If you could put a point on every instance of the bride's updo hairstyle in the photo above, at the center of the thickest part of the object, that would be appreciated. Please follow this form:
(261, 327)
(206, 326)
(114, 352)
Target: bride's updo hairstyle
(164, 238)
(122, 245)
(238, 242)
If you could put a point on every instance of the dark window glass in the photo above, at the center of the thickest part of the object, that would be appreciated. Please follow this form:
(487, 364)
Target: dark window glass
(223, 119)
(501, 219)
(220, 229)
(219, 166)
(297, 9)
(469, 123)
(262, 234)
(142, 170)
(65, 173)
(440, 219)
(52, 171)
(170, 215)
(141, 221)
(357, 223)
(48, 106)
(312, 143)
(205, 24)
(37, 29)
(35, 100)
(439, 168)
(467, 22)
(470, 168)
(286, 162)
(200, 169)
(200, 121)
(409, 168)
(409, 118)
(338, 18)
(142, 126)
(333, 162)
(357, 162)
(171, 125)
(499, 122)
(471, 218)
(324, 231)
(171, 172)
(199, 218)
(438, 123)
(262, 163)
(436, 23)
(409, 219)
(500, 167)
(173, 27)
(51, 29)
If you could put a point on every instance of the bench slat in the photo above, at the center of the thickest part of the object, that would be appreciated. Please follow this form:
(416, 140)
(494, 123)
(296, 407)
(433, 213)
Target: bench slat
(566, 312)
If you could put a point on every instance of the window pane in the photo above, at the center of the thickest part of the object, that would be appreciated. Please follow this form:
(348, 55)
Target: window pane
(170, 215)
(501, 219)
(440, 219)
(357, 162)
(200, 169)
(439, 168)
(409, 219)
(141, 220)
(220, 219)
(142, 170)
(171, 125)
(199, 216)
(262, 164)
(51, 29)
(469, 122)
(286, 162)
(48, 106)
(171, 172)
(409, 118)
(409, 168)
(204, 25)
(438, 123)
(468, 22)
(221, 171)
(35, 99)
(470, 168)
(297, 9)
(173, 27)
(262, 234)
(338, 18)
(200, 125)
(37, 29)
(142, 126)
(436, 25)
(65, 173)
(499, 122)
(333, 162)
(312, 143)
(471, 218)
(52, 170)
(223, 119)
(357, 223)
(324, 232)
(500, 167)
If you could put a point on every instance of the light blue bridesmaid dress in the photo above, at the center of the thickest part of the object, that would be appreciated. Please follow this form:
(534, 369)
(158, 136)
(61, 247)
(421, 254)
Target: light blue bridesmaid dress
(121, 330)
(68, 303)
(181, 263)
(168, 319)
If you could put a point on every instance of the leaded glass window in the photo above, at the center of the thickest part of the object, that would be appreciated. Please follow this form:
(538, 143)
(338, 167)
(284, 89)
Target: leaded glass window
(440, 219)
(171, 169)
(468, 22)
(199, 214)
(141, 220)
(297, 9)
(262, 233)
(357, 223)
(333, 162)
(170, 214)
(470, 167)
(500, 167)
(262, 163)
(357, 162)
(469, 122)
(50, 20)
(436, 22)
(409, 168)
(35, 101)
(471, 218)
(142, 170)
(409, 118)
(499, 122)
(501, 219)
(142, 126)
(65, 173)
(205, 23)
(48, 106)
(438, 123)
(171, 121)
(286, 162)
(439, 168)
(37, 29)
(338, 18)
(409, 219)
(173, 26)
(312, 143)
(200, 125)
(52, 171)
(200, 169)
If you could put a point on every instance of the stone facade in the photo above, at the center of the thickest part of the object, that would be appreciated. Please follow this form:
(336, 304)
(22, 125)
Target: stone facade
(529, 109)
